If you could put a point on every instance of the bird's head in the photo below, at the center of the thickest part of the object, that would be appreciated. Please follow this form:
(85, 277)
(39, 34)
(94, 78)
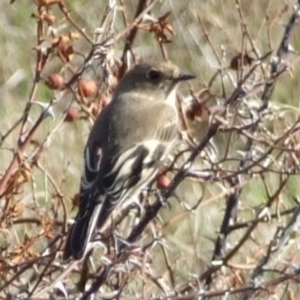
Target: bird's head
(157, 78)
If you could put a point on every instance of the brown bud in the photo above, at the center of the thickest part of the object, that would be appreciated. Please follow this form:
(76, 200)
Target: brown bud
(195, 111)
(72, 115)
(64, 47)
(162, 181)
(55, 82)
(87, 88)
(240, 60)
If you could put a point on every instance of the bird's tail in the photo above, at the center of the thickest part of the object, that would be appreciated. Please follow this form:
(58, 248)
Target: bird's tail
(80, 233)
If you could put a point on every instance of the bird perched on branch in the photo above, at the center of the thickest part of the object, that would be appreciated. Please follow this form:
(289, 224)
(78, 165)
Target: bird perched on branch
(126, 147)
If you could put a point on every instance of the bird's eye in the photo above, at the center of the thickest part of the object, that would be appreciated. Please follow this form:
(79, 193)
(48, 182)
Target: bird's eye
(154, 75)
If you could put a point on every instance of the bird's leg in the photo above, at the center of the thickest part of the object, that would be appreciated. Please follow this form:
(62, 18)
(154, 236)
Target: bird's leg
(136, 204)
(160, 196)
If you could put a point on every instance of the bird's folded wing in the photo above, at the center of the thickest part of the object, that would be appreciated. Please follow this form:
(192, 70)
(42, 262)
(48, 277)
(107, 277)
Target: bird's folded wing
(92, 159)
(129, 167)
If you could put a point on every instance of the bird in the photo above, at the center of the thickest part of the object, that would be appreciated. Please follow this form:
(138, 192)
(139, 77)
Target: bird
(128, 143)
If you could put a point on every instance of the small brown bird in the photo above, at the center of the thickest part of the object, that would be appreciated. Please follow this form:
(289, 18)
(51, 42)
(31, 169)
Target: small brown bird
(128, 143)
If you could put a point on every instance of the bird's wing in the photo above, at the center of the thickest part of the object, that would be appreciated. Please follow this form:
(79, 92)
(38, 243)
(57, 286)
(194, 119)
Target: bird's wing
(93, 156)
(123, 172)
(123, 168)
(89, 206)
(135, 166)
(92, 159)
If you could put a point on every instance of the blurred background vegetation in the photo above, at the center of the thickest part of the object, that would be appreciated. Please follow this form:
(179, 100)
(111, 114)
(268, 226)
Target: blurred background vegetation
(250, 161)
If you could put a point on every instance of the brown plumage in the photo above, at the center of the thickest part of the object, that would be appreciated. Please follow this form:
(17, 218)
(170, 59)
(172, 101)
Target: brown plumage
(127, 144)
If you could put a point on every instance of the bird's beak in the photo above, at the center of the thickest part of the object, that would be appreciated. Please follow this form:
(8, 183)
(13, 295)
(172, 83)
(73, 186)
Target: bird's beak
(182, 77)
